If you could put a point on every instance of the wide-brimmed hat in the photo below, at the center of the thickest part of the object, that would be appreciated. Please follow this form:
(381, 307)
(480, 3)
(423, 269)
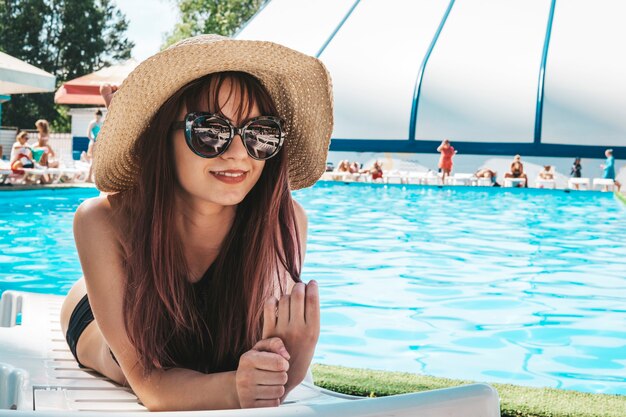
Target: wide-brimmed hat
(299, 85)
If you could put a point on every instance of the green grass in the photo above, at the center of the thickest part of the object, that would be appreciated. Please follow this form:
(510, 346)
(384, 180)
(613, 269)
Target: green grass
(515, 401)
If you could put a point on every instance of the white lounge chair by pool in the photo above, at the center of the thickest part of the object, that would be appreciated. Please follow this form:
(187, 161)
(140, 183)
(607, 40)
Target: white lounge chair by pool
(460, 179)
(5, 175)
(39, 376)
(514, 182)
(30, 176)
(542, 183)
(578, 183)
(415, 177)
(484, 182)
(392, 177)
(605, 183)
(432, 178)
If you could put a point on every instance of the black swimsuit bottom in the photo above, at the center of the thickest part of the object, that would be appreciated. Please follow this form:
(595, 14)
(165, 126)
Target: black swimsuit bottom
(81, 317)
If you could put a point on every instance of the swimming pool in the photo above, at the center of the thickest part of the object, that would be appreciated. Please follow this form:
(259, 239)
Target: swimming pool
(518, 286)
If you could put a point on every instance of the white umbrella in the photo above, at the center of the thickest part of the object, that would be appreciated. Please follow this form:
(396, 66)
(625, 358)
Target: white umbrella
(19, 77)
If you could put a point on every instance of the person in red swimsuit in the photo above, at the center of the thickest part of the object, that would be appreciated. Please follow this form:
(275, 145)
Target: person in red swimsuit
(445, 161)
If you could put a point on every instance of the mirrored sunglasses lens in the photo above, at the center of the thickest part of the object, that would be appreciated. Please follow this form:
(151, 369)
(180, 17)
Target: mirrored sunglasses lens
(263, 139)
(209, 136)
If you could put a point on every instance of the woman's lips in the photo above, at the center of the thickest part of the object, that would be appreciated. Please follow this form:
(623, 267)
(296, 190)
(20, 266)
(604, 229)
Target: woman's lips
(231, 176)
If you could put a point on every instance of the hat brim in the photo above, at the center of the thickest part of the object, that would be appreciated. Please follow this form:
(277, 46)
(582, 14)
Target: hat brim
(299, 85)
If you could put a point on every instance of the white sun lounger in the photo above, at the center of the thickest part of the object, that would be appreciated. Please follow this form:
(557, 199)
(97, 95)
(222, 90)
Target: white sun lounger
(605, 183)
(393, 177)
(39, 376)
(5, 175)
(514, 182)
(460, 179)
(543, 183)
(578, 183)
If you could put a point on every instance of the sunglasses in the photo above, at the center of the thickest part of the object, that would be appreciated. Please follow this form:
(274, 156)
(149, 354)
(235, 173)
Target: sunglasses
(209, 135)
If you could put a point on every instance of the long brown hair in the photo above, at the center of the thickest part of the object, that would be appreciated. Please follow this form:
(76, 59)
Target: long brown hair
(171, 322)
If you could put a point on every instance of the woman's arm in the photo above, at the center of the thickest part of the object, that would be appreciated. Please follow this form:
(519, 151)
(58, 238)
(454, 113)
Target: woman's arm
(262, 370)
(295, 318)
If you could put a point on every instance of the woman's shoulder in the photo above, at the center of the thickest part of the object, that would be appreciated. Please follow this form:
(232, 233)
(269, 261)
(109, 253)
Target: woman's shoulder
(96, 215)
(299, 212)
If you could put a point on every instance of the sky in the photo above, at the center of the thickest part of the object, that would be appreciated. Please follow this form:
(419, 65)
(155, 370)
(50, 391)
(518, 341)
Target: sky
(149, 21)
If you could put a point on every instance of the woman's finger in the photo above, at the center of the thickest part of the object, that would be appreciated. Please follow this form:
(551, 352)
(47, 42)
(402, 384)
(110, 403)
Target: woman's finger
(273, 344)
(297, 302)
(107, 91)
(283, 311)
(269, 392)
(270, 377)
(269, 361)
(266, 403)
(312, 307)
(270, 311)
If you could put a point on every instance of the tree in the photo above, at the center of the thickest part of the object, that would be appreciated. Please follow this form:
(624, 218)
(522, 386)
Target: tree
(67, 38)
(223, 17)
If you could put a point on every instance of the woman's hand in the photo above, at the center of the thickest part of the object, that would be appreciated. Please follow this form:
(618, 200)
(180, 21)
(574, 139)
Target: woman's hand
(107, 91)
(295, 319)
(262, 374)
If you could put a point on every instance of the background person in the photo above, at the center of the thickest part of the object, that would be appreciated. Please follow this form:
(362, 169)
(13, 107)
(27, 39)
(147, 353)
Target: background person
(93, 129)
(517, 170)
(344, 166)
(487, 173)
(445, 160)
(47, 156)
(192, 265)
(21, 153)
(576, 171)
(608, 169)
(376, 171)
(547, 173)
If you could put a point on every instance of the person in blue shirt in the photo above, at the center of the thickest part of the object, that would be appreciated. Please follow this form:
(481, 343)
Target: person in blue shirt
(609, 168)
(92, 133)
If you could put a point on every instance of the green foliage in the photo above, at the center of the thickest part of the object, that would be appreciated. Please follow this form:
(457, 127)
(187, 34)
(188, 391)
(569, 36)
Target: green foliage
(515, 401)
(223, 17)
(67, 38)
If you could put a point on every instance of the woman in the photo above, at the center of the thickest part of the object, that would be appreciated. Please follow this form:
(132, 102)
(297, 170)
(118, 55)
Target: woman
(576, 171)
(376, 171)
(92, 133)
(43, 148)
(517, 170)
(21, 154)
(192, 268)
(445, 161)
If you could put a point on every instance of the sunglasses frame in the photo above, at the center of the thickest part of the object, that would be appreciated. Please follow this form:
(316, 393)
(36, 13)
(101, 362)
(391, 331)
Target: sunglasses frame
(190, 118)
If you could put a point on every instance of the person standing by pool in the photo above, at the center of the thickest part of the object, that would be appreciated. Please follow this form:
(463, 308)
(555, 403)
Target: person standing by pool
(576, 171)
(92, 133)
(445, 161)
(608, 168)
(192, 264)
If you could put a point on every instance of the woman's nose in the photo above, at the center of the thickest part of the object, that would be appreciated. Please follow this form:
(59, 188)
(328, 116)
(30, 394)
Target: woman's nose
(236, 150)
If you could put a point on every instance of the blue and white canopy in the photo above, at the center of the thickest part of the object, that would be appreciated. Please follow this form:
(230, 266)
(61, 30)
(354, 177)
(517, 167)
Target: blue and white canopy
(495, 76)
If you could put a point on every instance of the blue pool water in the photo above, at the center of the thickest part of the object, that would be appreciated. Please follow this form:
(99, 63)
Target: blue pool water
(518, 286)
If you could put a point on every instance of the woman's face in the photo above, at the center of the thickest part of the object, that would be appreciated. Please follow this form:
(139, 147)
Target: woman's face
(228, 178)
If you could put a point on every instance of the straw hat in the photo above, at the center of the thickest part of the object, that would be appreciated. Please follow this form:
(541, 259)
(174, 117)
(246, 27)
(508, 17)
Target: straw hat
(299, 85)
